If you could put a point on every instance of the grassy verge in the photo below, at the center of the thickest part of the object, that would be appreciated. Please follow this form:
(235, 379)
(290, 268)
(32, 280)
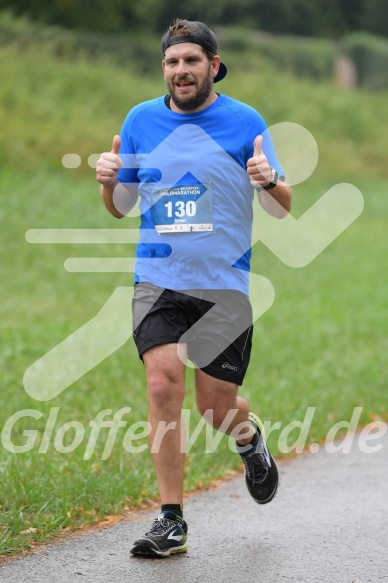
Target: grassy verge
(322, 344)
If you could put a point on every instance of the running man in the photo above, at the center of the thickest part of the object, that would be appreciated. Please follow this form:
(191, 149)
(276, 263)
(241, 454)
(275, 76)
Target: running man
(195, 158)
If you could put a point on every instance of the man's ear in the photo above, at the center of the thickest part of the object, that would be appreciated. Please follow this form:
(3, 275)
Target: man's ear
(216, 60)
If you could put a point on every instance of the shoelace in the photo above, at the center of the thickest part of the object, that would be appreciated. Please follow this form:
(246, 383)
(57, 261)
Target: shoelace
(160, 525)
(256, 467)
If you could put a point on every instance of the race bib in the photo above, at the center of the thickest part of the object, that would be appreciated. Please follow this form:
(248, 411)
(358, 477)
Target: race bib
(184, 208)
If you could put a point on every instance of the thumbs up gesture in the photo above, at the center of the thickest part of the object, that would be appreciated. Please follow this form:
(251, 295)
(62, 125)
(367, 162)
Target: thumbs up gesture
(258, 167)
(109, 163)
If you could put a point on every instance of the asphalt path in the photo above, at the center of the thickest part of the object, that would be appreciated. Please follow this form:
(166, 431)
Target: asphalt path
(327, 524)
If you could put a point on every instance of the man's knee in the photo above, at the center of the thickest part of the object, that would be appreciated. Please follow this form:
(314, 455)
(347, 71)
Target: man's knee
(164, 388)
(216, 400)
(165, 376)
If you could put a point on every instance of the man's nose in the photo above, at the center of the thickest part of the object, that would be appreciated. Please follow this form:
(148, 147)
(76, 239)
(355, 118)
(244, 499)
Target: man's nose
(182, 68)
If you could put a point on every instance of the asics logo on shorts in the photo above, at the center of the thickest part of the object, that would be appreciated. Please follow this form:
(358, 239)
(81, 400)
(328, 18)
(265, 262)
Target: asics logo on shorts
(229, 366)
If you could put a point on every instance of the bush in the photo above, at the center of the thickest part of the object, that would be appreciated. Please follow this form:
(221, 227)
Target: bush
(313, 58)
(143, 53)
(370, 55)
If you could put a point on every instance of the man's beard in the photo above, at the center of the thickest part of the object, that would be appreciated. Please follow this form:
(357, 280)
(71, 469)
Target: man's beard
(192, 103)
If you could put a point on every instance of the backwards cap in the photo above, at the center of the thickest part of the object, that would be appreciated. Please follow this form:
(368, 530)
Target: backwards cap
(200, 35)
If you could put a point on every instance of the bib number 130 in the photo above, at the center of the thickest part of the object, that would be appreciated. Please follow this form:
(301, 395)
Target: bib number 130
(181, 209)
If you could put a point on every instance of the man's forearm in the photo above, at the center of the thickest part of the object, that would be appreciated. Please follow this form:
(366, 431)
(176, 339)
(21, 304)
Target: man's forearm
(118, 200)
(277, 200)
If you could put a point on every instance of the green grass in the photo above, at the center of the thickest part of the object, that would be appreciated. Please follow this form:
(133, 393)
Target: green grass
(322, 344)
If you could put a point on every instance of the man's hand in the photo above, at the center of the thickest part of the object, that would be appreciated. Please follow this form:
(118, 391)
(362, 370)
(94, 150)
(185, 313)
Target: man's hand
(277, 201)
(108, 165)
(258, 167)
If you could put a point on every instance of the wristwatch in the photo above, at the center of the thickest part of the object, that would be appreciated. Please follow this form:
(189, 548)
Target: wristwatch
(273, 179)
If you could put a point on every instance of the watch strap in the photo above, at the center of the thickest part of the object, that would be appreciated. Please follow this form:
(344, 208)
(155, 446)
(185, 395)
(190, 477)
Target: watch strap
(274, 180)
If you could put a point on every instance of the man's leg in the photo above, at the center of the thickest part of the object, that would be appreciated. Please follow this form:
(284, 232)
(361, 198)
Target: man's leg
(165, 386)
(220, 397)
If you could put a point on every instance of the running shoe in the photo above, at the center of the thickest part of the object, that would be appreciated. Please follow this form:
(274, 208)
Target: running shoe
(167, 536)
(261, 473)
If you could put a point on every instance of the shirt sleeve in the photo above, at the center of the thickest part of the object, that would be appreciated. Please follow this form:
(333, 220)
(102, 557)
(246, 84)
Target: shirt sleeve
(258, 126)
(269, 151)
(128, 173)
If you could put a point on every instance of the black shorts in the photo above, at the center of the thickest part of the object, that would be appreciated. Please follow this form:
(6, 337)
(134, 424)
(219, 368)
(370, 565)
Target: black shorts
(220, 344)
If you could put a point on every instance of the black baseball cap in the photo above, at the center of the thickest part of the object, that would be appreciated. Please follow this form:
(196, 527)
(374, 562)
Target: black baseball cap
(200, 35)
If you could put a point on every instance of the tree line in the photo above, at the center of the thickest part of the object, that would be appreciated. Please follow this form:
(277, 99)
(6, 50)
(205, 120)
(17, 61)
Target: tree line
(325, 18)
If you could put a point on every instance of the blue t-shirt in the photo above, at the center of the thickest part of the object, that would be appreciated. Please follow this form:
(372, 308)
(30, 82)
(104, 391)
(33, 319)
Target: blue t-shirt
(195, 194)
